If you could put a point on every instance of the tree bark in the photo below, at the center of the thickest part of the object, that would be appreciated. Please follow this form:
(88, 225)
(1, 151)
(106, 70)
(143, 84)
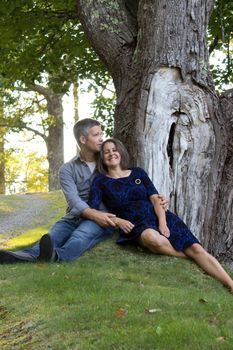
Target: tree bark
(55, 140)
(76, 100)
(2, 162)
(2, 153)
(222, 240)
(167, 111)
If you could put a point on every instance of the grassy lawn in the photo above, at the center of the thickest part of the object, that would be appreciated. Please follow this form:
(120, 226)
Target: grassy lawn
(113, 298)
(54, 210)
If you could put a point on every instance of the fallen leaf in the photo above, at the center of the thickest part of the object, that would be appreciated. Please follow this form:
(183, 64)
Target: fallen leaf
(202, 300)
(121, 312)
(221, 338)
(152, 311)
(159, 330)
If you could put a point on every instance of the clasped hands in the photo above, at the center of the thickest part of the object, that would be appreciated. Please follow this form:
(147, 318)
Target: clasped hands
(108, 219)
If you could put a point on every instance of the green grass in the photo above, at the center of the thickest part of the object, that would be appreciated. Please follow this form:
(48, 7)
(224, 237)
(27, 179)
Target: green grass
(113, 298)
(54, 209)
(9, 204)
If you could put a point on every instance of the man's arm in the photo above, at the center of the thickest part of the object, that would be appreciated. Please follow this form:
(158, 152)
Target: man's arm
(79, 207)
(69, 188)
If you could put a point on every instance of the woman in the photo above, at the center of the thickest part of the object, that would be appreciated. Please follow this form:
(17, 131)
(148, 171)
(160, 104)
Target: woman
(130, 194)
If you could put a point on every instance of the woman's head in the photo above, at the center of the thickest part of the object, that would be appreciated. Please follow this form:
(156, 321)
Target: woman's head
(113, 152)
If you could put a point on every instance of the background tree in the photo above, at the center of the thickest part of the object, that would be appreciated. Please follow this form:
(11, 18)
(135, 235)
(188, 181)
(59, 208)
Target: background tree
(167, 108)
(44, 49)
(220, 37)
(25, 171)
(3, 132)
(2, 161)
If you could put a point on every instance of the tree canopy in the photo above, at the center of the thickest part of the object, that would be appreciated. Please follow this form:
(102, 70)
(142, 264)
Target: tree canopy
(40, 38)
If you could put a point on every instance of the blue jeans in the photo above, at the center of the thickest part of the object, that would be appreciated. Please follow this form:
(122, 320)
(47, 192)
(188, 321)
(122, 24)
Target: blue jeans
(72, 237)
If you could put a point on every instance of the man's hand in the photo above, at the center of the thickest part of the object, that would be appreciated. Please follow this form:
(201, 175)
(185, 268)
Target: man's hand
(101, 218)
(104, 219)
(125, 225)
(164, 202)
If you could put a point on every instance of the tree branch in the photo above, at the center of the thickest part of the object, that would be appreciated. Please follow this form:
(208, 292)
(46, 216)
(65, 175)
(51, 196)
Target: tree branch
(22, 126)
(214, 44)
(37, 88)
(111, 29)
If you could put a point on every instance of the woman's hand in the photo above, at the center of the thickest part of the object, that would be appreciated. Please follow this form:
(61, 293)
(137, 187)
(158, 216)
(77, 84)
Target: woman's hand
(164, 230)
(125, 225)
(164, 202)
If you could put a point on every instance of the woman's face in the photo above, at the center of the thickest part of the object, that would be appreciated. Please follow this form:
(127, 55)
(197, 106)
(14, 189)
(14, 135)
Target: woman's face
(111, 157)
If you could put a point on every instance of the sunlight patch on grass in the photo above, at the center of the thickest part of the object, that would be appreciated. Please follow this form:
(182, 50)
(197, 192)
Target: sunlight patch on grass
(55, 205)
(26, 239)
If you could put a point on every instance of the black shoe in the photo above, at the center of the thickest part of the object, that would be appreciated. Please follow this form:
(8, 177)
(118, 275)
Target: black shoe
(46, 249)
(8, 257)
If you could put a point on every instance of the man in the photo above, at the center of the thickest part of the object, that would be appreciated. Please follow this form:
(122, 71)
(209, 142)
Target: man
(82, 227)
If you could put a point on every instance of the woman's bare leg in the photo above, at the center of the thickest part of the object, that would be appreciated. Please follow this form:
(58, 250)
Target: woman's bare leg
(158, 244)
(209, 264)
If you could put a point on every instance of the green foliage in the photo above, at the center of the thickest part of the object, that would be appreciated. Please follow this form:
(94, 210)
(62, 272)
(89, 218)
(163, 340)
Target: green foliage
(44, 37)
(24, 110)
(25, 172)
(104, 107)
(36, 173)
(221, 40)
(43, 42)
(104, 104)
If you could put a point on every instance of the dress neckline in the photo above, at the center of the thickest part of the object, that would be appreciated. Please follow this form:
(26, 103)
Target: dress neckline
(119, 178)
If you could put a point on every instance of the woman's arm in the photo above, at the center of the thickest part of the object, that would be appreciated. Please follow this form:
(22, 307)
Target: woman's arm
(125, 225)
(160, 213)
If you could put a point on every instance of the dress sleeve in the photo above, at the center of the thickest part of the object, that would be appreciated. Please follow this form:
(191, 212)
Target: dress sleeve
(96, 194)
(150, 188)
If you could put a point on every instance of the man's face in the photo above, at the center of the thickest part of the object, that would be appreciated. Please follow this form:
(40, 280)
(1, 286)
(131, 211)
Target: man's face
(94, 139)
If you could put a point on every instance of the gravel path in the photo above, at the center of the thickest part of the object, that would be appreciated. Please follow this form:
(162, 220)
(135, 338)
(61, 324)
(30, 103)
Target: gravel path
(30, 210)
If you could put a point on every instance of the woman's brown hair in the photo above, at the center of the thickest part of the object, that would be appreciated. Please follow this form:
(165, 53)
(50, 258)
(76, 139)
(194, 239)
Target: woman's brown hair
(122, 151)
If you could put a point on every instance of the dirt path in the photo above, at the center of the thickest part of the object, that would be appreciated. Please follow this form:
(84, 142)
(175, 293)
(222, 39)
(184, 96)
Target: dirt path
(21, 212)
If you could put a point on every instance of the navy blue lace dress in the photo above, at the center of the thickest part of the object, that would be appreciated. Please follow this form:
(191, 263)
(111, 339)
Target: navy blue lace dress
(128, 198)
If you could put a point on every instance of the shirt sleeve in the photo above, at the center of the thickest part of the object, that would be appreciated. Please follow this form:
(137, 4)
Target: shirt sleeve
(69, 188)
(150, 188)
(96, 194)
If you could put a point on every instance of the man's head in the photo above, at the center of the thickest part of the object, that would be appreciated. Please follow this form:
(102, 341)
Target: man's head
(88, 134)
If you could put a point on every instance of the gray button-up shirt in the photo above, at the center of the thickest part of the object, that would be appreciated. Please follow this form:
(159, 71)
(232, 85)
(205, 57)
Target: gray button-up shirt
(75, 180)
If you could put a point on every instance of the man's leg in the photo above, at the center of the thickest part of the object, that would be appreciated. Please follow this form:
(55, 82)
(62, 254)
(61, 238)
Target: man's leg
(60, 233)
(83, 238)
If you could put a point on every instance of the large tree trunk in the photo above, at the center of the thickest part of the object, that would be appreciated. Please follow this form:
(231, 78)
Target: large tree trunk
(224, 219)
(167, 111)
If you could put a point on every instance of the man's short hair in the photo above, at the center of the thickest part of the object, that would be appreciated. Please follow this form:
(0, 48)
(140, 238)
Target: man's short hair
(83, 126)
